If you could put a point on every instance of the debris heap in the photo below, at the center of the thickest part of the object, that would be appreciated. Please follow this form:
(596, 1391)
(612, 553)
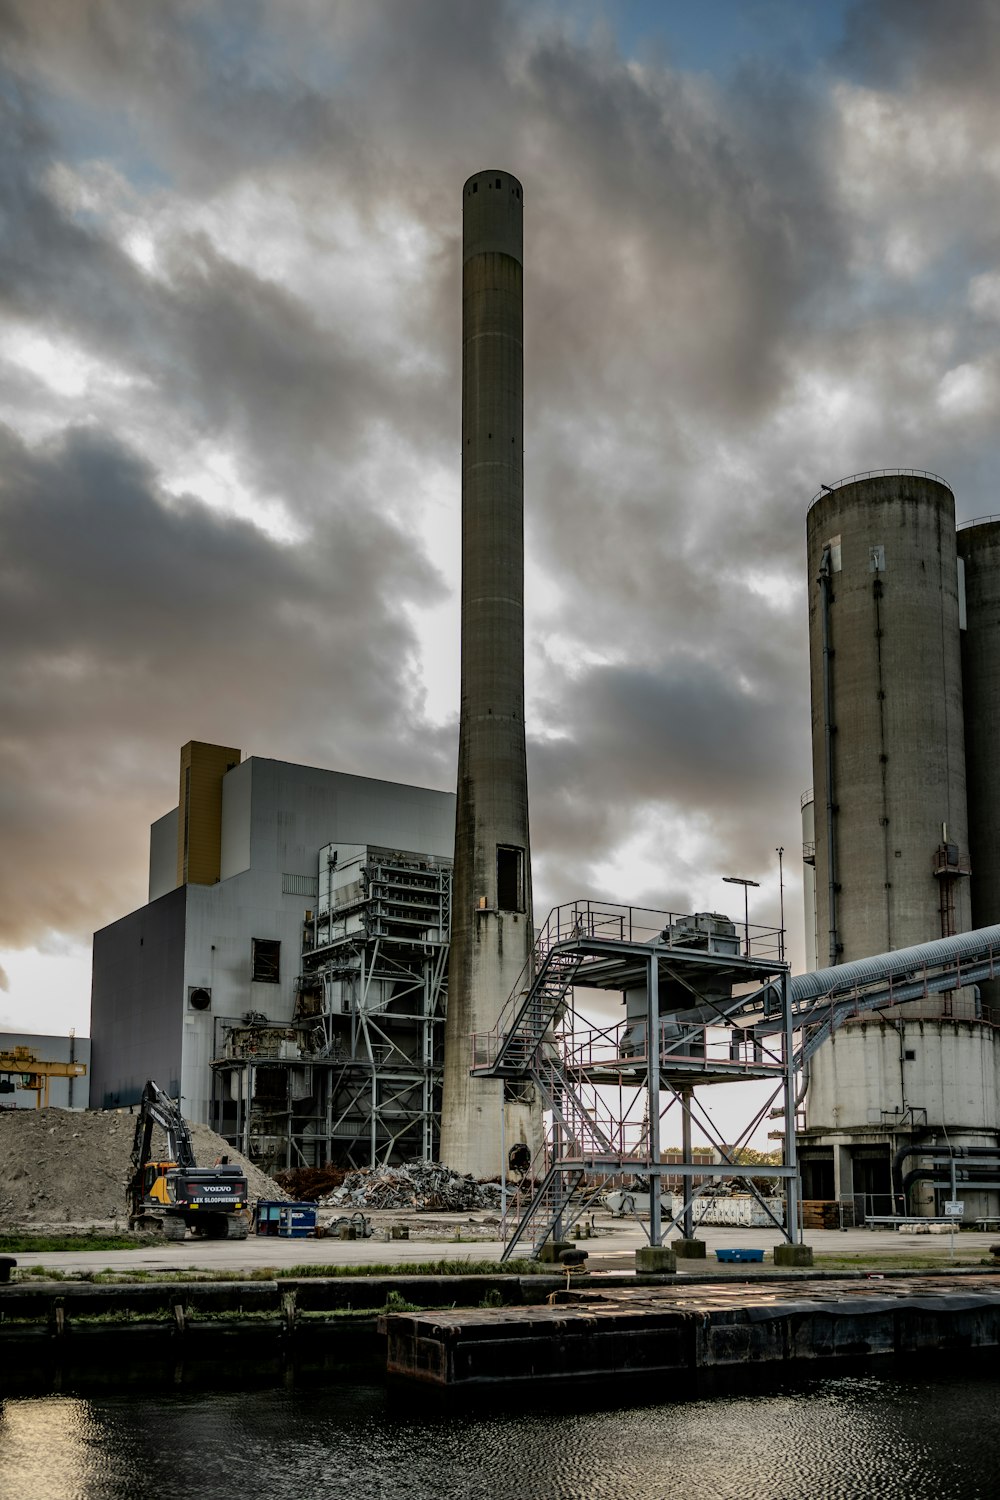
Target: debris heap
(60, 1166)
(416, 1185)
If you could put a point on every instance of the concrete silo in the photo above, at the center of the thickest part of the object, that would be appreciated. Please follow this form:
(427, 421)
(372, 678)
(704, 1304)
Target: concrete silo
(887, 728)
(914, 1083)
(492, 930)
(979, 551)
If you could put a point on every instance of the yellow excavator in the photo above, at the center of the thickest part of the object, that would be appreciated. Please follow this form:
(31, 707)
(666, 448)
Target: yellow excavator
(175, 1194)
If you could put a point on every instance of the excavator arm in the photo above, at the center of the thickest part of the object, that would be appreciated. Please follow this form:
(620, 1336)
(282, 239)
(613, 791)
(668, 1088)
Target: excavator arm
(157, 1108)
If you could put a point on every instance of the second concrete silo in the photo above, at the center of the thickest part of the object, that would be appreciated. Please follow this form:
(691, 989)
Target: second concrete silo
(979, 550)
(891, 849)
(888, 733)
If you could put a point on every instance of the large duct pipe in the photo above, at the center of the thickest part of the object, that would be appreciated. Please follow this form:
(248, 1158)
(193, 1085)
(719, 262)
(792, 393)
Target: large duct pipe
(942, 1174)
(492, 931)
(982, 1154)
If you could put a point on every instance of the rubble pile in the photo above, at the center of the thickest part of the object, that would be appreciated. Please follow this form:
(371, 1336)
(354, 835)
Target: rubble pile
(60, 1166)
(417, 1185)
(310, 1184)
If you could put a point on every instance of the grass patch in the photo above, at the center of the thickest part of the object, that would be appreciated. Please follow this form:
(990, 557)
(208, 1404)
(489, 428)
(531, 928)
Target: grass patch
(901, 1262)
(421, 1268)
(395, 1302)
(48, 1244)
(126, 1276)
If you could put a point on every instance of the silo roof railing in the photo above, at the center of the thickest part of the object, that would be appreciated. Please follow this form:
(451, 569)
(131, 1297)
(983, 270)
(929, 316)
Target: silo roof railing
(877, 474)
(976, 521)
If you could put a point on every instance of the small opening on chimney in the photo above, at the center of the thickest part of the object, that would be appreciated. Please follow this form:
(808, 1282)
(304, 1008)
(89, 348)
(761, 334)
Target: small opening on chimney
(499, 183)
(475, 187)
(510, 878)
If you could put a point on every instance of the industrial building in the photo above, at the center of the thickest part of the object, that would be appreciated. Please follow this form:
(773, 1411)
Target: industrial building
(287, 978)
(900, 839)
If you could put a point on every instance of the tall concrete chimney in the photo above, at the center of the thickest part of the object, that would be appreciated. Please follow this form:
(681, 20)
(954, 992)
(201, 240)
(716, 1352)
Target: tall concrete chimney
(492, 930)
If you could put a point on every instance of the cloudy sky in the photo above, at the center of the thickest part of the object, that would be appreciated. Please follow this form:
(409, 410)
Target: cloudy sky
(762, 250)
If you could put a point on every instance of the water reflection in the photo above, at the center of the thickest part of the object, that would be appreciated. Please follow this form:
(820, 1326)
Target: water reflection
(50, 1447)
(839, 1438)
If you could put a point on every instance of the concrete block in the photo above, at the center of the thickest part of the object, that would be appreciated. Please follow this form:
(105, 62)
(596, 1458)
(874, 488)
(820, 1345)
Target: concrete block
(793, 1255)
(688, 1249)
(659, 1258)
(553, 1249)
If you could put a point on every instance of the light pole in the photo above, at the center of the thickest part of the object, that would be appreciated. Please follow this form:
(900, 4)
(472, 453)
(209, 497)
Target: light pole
(780, 852)
(746, 884)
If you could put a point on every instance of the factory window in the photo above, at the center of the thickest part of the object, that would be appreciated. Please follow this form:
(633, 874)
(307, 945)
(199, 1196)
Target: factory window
(510, 878)
(265, 960)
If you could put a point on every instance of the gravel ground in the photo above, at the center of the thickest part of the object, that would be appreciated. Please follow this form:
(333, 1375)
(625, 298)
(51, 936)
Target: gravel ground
(62, 1167)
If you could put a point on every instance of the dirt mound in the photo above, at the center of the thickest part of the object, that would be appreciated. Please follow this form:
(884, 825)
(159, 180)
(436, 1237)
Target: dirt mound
(71, 1166)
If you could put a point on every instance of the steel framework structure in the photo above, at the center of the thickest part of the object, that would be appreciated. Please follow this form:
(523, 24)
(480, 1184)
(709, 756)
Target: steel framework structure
(607, 1092)
(356, 1079)
(724, 1009)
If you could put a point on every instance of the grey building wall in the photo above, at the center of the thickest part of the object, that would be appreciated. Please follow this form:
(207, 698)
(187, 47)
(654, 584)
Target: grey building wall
(292, 811)
(64, 1093)
(163, 855)
(136, 1002)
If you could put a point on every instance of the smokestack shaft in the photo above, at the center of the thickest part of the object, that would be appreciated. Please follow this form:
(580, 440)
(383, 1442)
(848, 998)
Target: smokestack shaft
(492, 928)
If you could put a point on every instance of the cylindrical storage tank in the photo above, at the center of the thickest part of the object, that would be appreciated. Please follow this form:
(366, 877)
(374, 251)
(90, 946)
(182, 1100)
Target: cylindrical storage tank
(872, 1074)
(979, 550)
(887, 727)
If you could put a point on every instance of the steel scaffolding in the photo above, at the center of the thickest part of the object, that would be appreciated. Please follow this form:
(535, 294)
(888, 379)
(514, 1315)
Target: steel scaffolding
(355, 1079)
(724, 1010)
(607, 1093)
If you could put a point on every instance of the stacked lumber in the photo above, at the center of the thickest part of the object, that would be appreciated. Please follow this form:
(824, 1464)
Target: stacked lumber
(823, 1213)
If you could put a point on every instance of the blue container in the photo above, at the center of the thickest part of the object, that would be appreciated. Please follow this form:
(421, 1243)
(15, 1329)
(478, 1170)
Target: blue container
(731, 1255)
(296, 1221)
(289, 1220)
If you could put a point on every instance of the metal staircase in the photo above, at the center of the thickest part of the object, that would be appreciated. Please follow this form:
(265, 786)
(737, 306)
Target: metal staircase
(529, 1015)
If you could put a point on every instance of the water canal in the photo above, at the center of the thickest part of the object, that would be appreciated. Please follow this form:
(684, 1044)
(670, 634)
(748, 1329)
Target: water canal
(872, 1435)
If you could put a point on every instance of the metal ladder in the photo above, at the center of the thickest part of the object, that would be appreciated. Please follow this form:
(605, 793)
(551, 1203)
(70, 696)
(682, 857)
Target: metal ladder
(530, 1013)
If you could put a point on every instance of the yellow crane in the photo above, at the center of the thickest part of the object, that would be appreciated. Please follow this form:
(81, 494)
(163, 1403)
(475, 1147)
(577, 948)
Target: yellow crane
(33, 1072)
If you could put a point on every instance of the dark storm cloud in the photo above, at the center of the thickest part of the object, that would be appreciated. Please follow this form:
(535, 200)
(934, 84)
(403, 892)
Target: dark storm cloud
(131, 624)
(717, 318)
(684, 738)
(923, 42)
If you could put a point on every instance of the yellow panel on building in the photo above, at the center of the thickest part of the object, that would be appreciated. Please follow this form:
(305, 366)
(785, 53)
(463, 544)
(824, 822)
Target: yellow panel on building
(199, 821)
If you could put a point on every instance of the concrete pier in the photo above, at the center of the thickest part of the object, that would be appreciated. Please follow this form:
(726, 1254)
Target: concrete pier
(672, 1331)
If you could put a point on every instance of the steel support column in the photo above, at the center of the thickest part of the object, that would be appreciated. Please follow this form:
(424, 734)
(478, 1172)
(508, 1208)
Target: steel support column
(653, 1093)
(788, 1048)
